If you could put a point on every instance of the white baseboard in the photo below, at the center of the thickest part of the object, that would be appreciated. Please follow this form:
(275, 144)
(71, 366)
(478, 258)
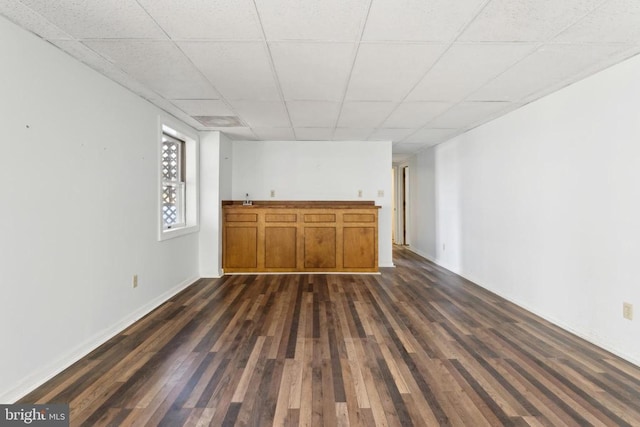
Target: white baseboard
(47, 372)
(589, 338)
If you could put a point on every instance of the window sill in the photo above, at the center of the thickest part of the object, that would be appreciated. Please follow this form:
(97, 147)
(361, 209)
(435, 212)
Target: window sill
(177, 232)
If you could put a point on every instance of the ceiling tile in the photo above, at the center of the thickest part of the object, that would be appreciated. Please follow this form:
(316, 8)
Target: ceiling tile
(211, 19)
(615, 21)
(415, 114)
(98, 19)
(203, 107)
(262, 113)
(526, 20)
(468, 113)
(178, 113)
(274, 134)
(418, 20)
(313, 71)
(364, 114)
(386, 72)
(314, 134)
(337, 20)
(238, 133)
(387, 134)
(430, 135)
(34, 22)
(545, 69)
(403, 148)
(159, 65)
(351, 134)
(450, 79)
(239, 70)
(313, 113)
(82, 53)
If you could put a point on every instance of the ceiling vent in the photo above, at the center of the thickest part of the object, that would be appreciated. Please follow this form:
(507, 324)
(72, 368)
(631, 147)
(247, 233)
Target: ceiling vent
(220, 121)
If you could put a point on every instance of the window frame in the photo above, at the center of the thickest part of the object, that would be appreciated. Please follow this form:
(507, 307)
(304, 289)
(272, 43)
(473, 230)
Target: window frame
(178, 184)
(189, 164)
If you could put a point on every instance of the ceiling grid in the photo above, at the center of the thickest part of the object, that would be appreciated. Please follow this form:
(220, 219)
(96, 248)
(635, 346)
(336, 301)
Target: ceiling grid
(416, 72)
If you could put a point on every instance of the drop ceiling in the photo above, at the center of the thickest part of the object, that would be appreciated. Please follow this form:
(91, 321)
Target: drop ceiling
(416, 72)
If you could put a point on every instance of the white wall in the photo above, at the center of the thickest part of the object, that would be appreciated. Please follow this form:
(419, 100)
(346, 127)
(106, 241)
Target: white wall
(422, 210)
(318, 170)
(542, 206)
(215, 185)
(79, 204)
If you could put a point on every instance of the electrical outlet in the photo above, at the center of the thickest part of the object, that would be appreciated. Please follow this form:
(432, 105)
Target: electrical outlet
(380, 193)
(627, 310)
(359, 193)
(443, 246)
(273, 193)
(135, 280)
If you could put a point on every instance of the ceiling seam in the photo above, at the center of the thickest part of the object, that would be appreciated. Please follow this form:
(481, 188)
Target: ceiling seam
(353, 64)
(81, 41)
(462, 29)
(274, 72)
(199, 71)
(538, 45)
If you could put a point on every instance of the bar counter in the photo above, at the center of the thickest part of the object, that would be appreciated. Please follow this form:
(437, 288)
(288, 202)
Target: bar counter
(299, 236)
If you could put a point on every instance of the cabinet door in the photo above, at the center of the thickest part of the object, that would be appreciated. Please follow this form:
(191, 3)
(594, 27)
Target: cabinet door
(280, 247)
(320, 247)
(359, 247)
(241, 247)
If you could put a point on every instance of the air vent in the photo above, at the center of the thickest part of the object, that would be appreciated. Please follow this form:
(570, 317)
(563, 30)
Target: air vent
(219, 121)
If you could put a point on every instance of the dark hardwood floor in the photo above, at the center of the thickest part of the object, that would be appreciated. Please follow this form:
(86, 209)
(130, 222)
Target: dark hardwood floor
(416, 345)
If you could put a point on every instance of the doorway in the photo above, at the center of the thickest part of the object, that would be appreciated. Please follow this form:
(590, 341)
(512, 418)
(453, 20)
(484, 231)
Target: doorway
(405, 204)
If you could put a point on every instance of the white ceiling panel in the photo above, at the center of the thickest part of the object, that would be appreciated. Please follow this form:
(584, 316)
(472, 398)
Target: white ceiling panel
(337, 20)
(404, 148)
(313, 113)
(615, 21)
(238, 133)
(313, 71)
(386, 72)
(415, 114)
(387, 134)
(176, 112)
(526, 20)
(108, 69)
(430, 135)
(364, 114)
(210, 19)
(262, 113)
(314, 134)
(547, 67)
(468, 113)
(274, 134)
(27, 18)
(451, 79)
(418, 20)
(203, 107)
(159, 65)
(98, 19)
(239, 70)
(351, 134)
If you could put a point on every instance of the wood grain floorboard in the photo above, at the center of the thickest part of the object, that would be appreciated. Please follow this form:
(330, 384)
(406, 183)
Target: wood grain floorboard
(414, 346)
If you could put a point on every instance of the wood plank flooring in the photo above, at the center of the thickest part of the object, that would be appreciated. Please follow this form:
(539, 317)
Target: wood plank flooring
(416, 345)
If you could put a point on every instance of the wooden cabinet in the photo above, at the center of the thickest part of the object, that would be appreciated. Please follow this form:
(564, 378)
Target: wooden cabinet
(300, 236)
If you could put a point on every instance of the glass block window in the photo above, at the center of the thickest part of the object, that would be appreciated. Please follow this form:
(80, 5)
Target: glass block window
(173, 183)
